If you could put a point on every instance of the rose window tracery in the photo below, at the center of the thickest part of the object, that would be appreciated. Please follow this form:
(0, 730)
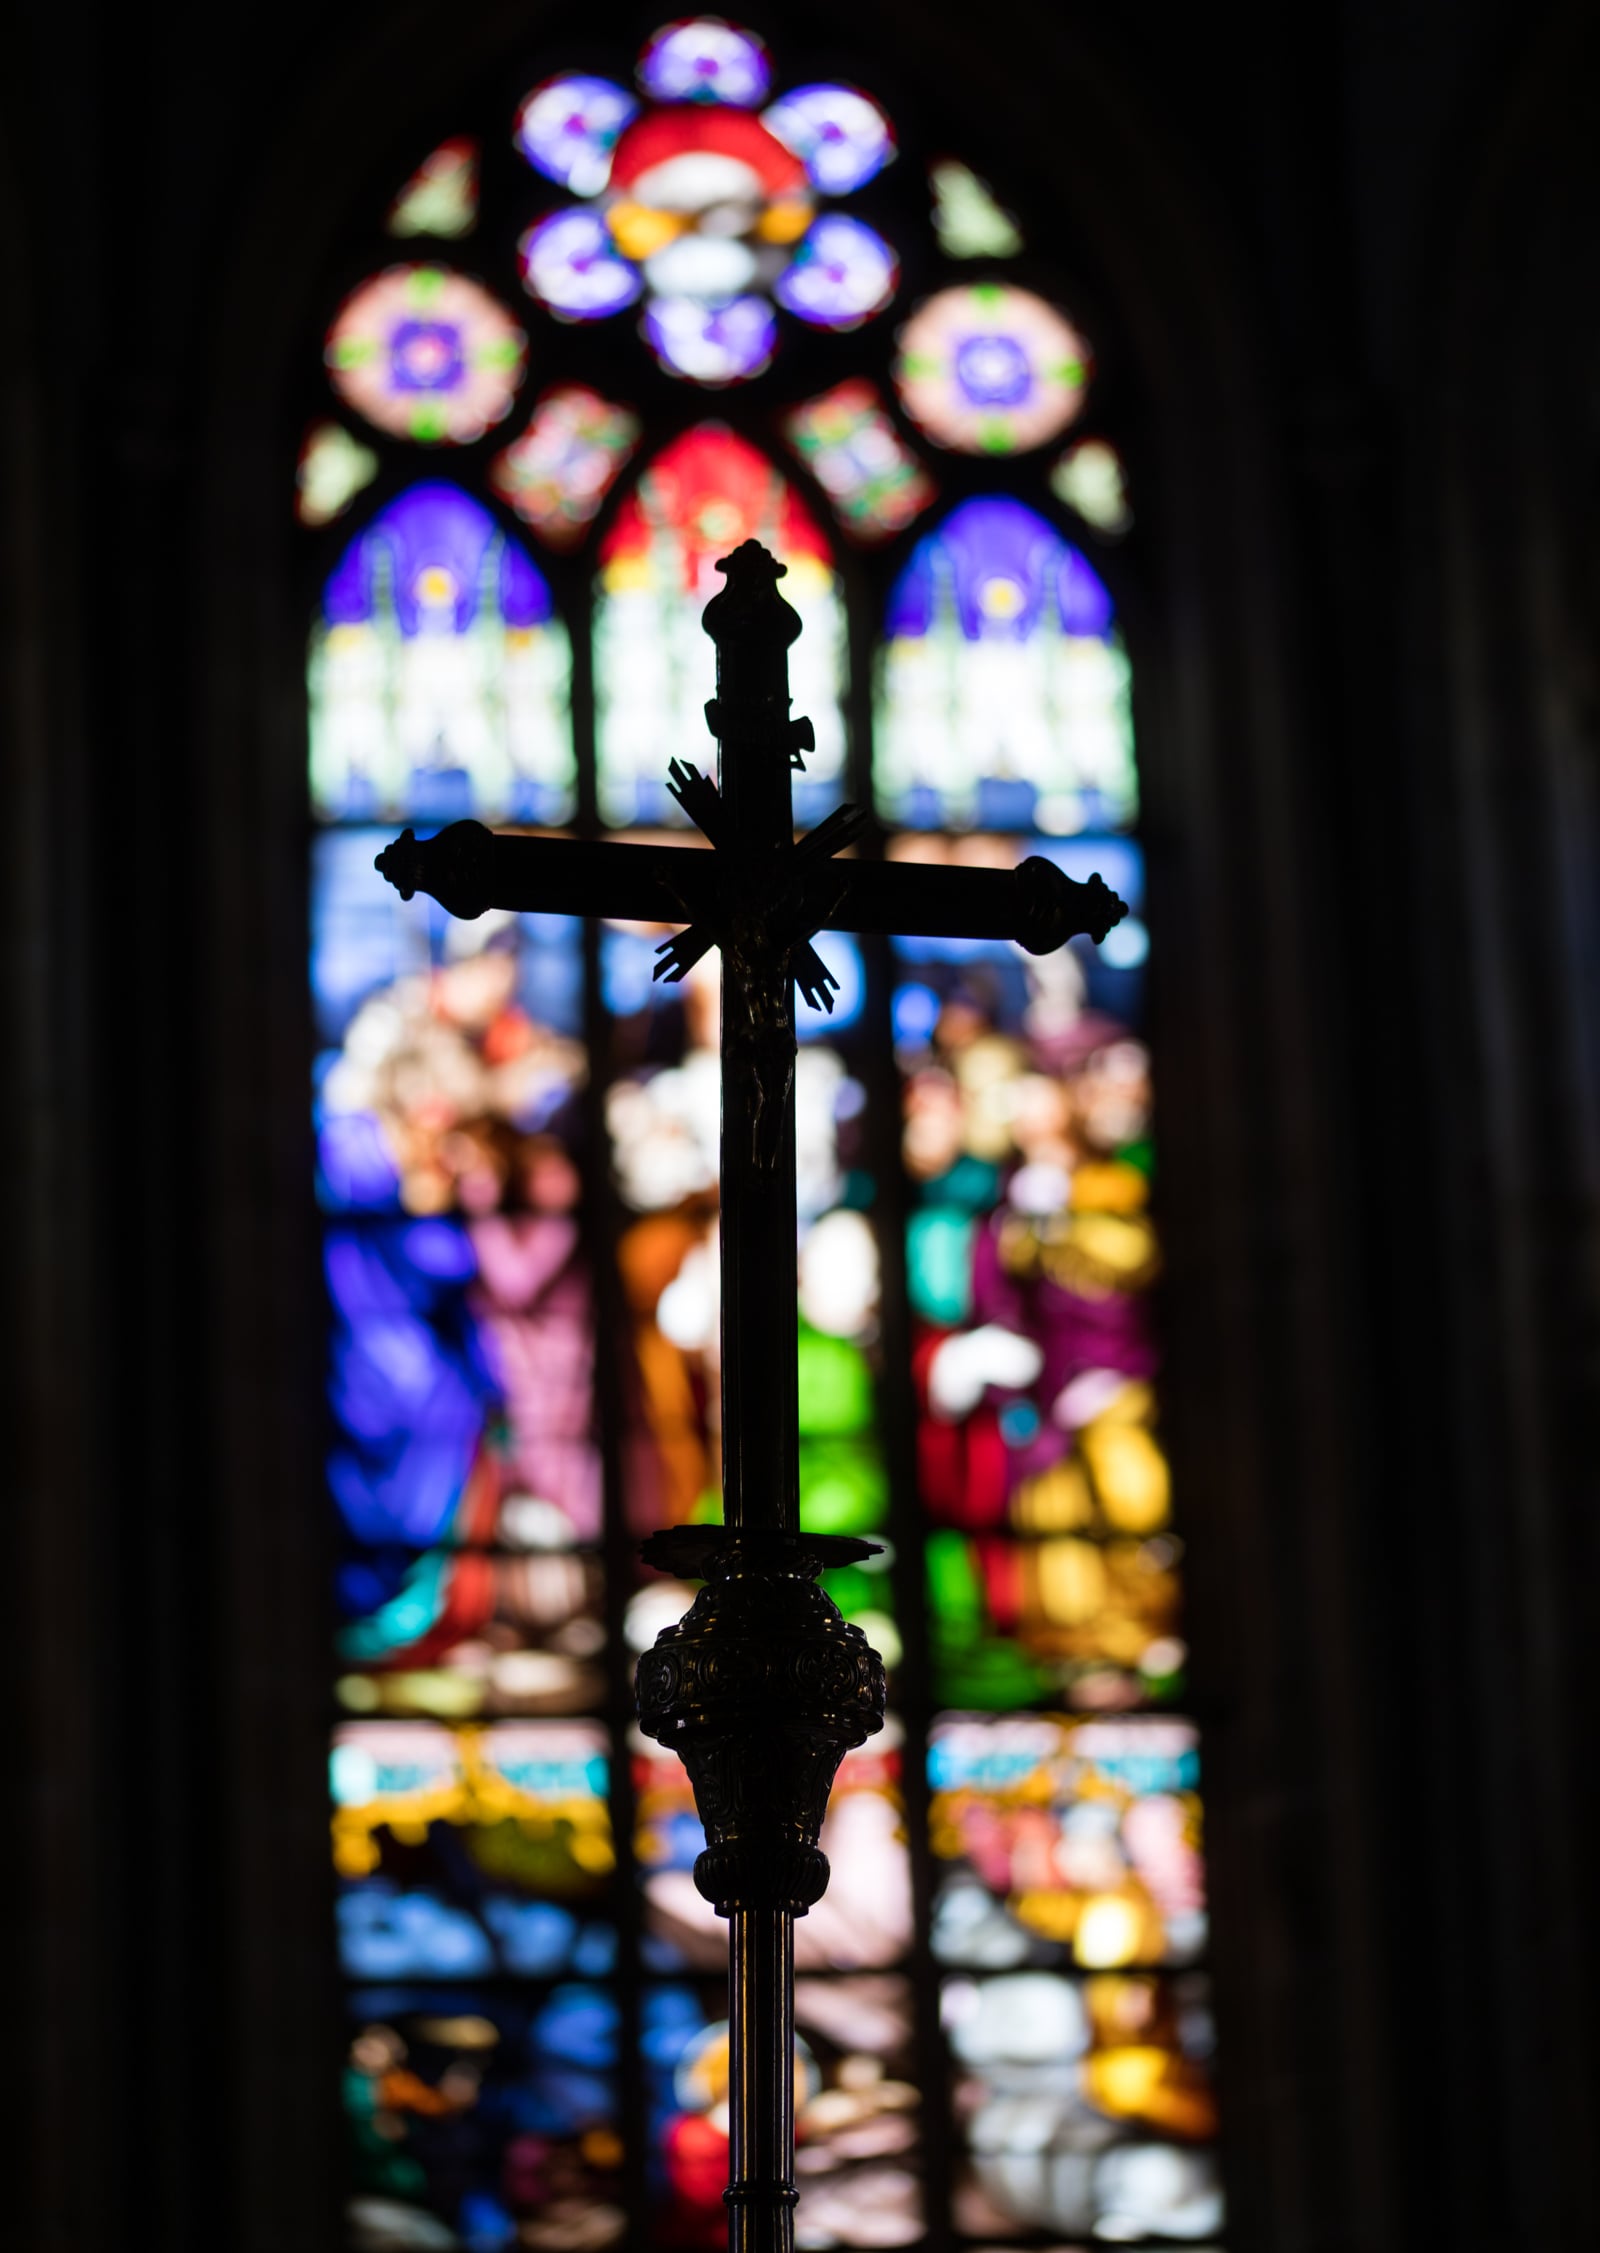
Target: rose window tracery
(709, 213)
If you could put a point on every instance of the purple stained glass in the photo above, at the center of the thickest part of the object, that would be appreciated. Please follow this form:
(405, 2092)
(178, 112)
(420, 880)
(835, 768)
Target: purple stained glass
(425, 356)
(356, 1168)
(841, 137)
(524, 595)
(842, 274)
(706, 60)
(1085, 604)
(992, 371)
(711, 343)
(568, 128)
(1004, 562)
(570, 263)
(433, 540)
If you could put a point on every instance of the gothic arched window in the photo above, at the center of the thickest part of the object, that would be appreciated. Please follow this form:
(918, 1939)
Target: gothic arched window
(647, 308)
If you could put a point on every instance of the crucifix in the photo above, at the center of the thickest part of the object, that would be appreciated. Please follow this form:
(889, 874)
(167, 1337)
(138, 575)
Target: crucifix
(762, 1687)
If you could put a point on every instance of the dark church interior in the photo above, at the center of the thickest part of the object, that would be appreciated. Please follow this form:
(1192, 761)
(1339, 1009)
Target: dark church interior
(1268, 340)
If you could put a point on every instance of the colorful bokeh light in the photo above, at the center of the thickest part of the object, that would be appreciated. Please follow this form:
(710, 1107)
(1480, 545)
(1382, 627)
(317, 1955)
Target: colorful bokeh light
(426, 354)
(991, 369)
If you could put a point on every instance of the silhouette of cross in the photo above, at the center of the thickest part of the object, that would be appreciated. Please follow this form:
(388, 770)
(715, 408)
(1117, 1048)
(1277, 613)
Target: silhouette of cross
(762, 1687)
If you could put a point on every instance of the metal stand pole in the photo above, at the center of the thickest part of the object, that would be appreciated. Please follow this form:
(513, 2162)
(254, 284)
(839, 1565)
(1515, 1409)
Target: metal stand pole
(761, 2194)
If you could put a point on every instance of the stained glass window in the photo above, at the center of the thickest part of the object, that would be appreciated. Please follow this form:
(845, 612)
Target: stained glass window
(847, 441)
(426, 354)
(1002, 2001)
(441, 197)
(439, 671)
(560, 470)
(1003, 694)
(989, 369)
(332, 470)
(697, 499)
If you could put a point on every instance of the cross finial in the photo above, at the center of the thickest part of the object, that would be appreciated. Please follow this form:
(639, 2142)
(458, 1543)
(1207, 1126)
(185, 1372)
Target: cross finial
(750, 611)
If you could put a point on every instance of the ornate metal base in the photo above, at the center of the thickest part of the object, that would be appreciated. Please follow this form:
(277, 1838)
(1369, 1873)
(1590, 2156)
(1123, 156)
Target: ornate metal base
(761, 1689)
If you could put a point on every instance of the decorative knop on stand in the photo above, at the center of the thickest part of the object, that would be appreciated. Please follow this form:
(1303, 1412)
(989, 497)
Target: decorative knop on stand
(762, 1687)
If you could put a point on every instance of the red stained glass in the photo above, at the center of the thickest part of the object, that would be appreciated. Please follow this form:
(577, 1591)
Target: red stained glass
(713, 489)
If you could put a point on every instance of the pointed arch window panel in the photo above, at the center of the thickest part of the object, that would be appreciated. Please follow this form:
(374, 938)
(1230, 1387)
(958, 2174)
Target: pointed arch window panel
(699, 498)
(672, 313)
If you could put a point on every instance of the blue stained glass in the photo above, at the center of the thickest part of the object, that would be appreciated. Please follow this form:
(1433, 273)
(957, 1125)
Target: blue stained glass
(409, 1384)
(916, 1012)
(475, 2121)
(570, 263)
(568, 128)
(1007, 570)
(1120, 860)
(706, 61)
(405, 1617)
(841, 137)
(628, 967)
(485, 2225)
(356, 935)
(355, 1172)
(431, 546)
(579, 2024)
(842, 274)
(550, 977)
(842, 956)
(387, 1934)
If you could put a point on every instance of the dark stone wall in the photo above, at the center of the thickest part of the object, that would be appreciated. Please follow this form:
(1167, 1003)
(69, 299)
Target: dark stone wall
(1348, 255)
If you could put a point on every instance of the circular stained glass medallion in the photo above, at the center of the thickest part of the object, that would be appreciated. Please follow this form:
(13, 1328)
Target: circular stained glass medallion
(570, 263)
(841, 137)
(568, 127)
(426, 354)
(991, 369)
(706, 60)
(841, 275)
(711, 344)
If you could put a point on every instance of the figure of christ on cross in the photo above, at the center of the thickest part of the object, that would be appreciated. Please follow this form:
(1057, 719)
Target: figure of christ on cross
(762, 1687)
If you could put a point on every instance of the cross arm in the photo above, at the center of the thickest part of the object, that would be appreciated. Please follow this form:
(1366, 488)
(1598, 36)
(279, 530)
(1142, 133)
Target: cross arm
(1035, 903)
(468, 869)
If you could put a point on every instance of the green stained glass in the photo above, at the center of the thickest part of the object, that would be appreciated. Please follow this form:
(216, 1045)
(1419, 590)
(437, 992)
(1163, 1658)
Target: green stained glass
(966, 218)
(1089, 478)
(972, 1666)
(333, 469)
(835, 1387)
(441, 197)
(843, 1488)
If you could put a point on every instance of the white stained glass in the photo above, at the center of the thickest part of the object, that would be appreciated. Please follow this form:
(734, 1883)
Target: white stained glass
(442, 723)
(653, 673)
(1051, 711)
